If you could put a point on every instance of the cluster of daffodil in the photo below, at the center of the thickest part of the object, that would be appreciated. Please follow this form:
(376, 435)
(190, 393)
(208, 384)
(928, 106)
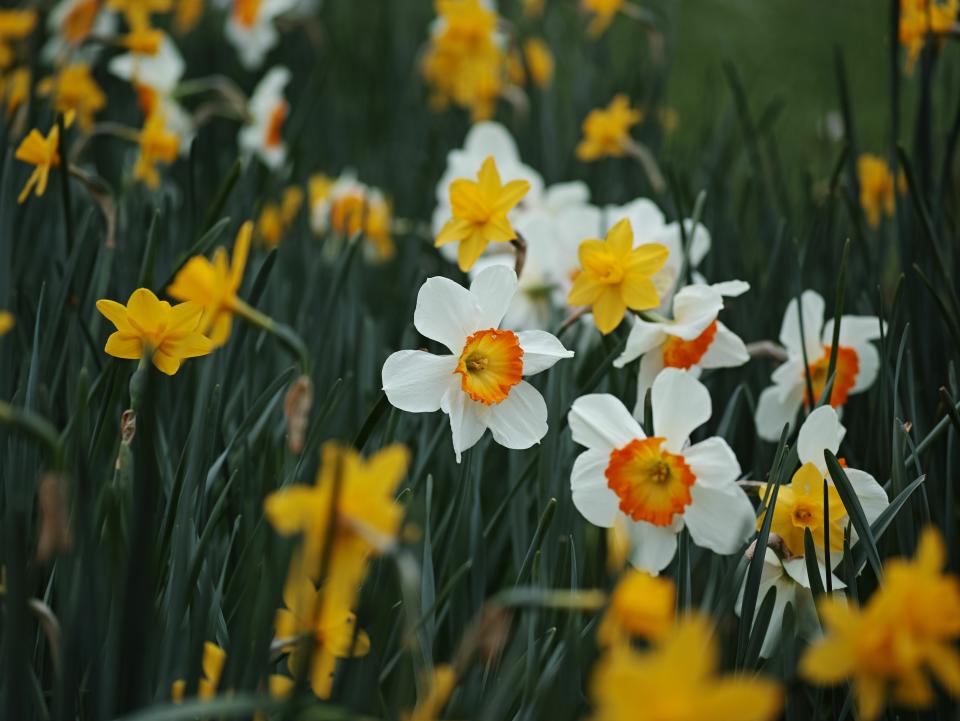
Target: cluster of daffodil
(922, 20)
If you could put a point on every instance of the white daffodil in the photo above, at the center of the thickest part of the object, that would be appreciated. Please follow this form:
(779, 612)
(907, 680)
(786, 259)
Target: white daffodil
(800, 506)
(268, 108)
(692, 340)
(857, 363)
(659, 484)
(481, 384)
(70, 23)
(251, 30)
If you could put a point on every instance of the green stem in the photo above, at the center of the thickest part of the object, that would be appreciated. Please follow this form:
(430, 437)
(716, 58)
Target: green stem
(285, 334)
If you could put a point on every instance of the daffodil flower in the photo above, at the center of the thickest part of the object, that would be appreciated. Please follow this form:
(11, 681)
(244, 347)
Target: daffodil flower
(251, 30)
(157, 145)
(616, 276)
(43, 153)
(170, 333)
(70, 23)
(480, 213)
(692, 340)
(73, 89)
(660, 484)
(137, 12)
(262, 136)
(212, 664)
(606, 131)
(857, 363)
(603, 12)
(480, 385)
(641, 606)
(877, 188)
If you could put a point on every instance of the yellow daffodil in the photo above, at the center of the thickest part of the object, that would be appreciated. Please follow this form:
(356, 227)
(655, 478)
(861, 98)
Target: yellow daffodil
(616, 276)
(606, 131)
(15, 88)
(187, 15)
(877, 188)
(170, 332)
(145, 41)
(908, 628)
(214, 285)
(641, 606)
(137, 12)
(678, 680)
(480, 213)
(438, 687)
(276, 218)
(367, 515)
(920, 19)
(78, 21)
(14, 25)
(7, 321)
(74, 89)
(539, 61)
(41, 152)
(213, 660)
(157, 145)
(603, 12)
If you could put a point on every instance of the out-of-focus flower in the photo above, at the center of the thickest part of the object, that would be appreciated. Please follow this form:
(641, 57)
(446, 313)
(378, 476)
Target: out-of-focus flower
(809, 353)
(438, 687)
(145, 41)
(43, 153)
(659, 484)
(276, 218)
(212, 664)
(71, 22)
(533, 8)
(641, 606)
(214, 285)
(187, 15)
(481, 384)
(616, 276)
(603, 12)
(465, 63)
(7, 321)
(677, 680)
(251, 29)
(906, 632)
(268, 109)
(15, 25)
(73, 88)
(137, 12)
(920, 19)
(877, 188)
(539, 61)
(606, 131)
(692, 340)
(346, 207)
(170, 333)
(480, 213)
(15, 88)
(157, 145)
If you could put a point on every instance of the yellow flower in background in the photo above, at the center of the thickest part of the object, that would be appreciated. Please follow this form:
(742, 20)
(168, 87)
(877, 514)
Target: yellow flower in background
(214, 285)
(906, 632)
(78, 21)
(438, 687)
(187, 15)
(606, 131)
(603, 12)
(920, 19)
(7, 321)
(157, 145)
(539, 61)
(41, 152)
(145, 41)
(616, 276)
(74, 89)
(14, 25)
(480, 213)
(15, 88)
(877, 188)
(641, 606)
(368, 212)
(137, 12)
(170, 332)
(276, 218)
(213, 660)
(678, 680)
(367, 515)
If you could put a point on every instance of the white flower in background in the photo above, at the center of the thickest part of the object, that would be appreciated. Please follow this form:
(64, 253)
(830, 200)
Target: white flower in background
(268, 109)
(251, 31)
(481, 384)
(70, 23)
(692, 340)
(857, 363)
(155, 78)
(660, 484)
(800, 506)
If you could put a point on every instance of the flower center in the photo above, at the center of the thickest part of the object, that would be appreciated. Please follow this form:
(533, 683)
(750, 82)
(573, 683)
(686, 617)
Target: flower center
(490, 365)
(604, 267)
(246, 12)
(275, 125)
(652, 484)
(680, 353)
(845, 376)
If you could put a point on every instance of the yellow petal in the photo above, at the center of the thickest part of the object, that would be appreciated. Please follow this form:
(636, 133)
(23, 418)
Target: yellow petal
(279, 686)
(470, 250)
(638, 292)
(944, 662)
(213, 659)
(608, 310)
(166, 363)
(195, 281)
(220, 329)
(467, 201)
(648, 258)
(115, 312)
(499, 230)
(744, 699)
(321, 673)
(124, 345)
(585, 291)
(827, 662)
(620, 238)
(241, 249)
(870, 695)
(290, 509)
(453, 230)
(511, 194)
(489, 179)
(144, 310)
(191, 345)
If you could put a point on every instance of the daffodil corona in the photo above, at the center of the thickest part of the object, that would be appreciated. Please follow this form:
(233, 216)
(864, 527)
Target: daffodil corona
(606, 131)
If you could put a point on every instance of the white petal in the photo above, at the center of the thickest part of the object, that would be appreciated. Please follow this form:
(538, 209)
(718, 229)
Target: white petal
(519, 420)
(796, 568)
(813, 307)
(725, 351)
(467, 418)
(446, 312)
(713, 462)
(644, 215)
(562, 195)
(541, 350)
(869, 361)
(871, 495)
(415, 380)
(644, 337)
(720, 518)
(653, 547)
(650, 366)
(731, 288)
(490, 138)
(681, 403)
(788, 374)
(493, 289)
(694, 308)
(773, 412)
(854, 330)
(591, 494)
(601, 421)
(821, 431)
